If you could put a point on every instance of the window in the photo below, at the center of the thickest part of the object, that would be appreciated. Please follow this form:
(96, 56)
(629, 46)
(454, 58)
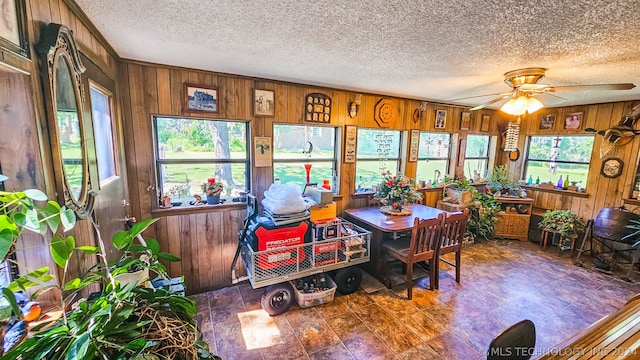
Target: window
(550, 157)
(103, 133)
(476, 157)
(377, 151)
(289, 142)
(433, 155)
(189, 151)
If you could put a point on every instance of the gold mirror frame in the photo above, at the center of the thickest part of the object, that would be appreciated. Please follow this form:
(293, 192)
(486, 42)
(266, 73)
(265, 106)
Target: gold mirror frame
(57, 45)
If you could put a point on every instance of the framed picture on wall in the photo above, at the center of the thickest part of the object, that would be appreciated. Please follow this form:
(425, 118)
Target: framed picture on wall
(263, 103)
(547, 121)
(465, 120)
(350, 143)
(441, 119)
(262, 149)
(413, 145)
(572, 121)
(13, 30)
(486, 122)
(198, 98)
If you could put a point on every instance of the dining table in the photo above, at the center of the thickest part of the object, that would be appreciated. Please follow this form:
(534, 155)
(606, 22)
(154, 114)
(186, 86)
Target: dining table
(381, 224)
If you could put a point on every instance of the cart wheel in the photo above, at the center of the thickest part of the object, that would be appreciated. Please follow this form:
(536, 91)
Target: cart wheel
(348, 280)
(277, 298)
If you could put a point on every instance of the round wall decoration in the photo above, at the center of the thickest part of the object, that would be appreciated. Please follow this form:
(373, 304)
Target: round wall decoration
(385, 113)
(612, 167)
(514, 155)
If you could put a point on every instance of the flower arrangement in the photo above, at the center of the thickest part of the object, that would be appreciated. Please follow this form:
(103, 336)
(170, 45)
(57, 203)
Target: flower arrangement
(211, 187)
(396, 191)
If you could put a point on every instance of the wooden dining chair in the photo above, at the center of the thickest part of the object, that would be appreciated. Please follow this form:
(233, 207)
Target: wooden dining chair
(454, 227)
(421, 246)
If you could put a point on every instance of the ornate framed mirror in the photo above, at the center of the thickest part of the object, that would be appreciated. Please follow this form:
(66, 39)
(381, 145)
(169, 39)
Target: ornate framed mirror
(64, 99)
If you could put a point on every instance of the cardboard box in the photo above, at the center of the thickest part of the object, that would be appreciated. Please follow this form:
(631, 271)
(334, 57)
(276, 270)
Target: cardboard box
(323, 212)
(320, 195)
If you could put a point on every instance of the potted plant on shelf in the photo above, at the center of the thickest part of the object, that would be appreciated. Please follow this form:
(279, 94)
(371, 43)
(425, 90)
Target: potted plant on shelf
(212, 189)
(396, 191)
(502, 183)
(129, 321)
(459, 192)
(565, 222)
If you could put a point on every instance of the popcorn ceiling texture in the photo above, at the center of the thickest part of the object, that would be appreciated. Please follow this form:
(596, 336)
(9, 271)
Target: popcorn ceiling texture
(431, 50)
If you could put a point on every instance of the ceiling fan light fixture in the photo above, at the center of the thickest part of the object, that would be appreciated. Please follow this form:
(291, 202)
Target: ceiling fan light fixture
(521, 104)
(534, 105)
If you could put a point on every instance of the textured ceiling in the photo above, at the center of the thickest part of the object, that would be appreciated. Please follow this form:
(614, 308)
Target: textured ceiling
(431, 50)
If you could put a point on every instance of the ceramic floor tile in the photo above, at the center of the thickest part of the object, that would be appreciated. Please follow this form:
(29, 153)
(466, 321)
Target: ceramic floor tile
(502, 282)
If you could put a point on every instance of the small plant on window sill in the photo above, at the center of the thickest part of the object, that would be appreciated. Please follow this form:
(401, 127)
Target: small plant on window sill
(212, 187)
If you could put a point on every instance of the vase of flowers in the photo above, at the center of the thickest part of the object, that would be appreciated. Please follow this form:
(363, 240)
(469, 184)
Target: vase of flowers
(395, 192)
(212, 189)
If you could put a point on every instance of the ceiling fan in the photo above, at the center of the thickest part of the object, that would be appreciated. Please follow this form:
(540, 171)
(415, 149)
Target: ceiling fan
(525, 87)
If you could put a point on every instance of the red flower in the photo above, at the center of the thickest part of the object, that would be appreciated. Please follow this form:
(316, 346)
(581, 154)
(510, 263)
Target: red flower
(400, 183)
(389, 183)
(395, 205)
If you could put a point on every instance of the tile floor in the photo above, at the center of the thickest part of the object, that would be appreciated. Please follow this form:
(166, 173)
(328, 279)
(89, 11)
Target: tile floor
(502, 283)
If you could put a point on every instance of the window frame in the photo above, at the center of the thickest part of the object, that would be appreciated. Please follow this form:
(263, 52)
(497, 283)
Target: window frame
(398, 160)
(114, 151)
(487, 158)
(159, 162)
(528, 153)
(425, 158)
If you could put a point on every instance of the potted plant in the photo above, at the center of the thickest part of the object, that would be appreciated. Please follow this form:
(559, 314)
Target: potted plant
(396, 191)
(483, 216)
(129, 321)
(502, 183)
(460, 191)
(565, 222)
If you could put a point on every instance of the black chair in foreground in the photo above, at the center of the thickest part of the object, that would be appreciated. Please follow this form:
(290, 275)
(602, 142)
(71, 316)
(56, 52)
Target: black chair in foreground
(515, 343)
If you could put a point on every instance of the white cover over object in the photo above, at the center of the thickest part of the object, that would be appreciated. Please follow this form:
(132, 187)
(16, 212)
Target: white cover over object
(284, 199)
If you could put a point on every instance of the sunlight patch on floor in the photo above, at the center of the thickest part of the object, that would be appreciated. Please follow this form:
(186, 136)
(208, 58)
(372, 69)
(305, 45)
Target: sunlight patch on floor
(269, 333)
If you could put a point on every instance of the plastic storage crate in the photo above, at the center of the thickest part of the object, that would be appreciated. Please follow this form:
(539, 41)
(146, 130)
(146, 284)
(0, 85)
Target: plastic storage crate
(316, 298)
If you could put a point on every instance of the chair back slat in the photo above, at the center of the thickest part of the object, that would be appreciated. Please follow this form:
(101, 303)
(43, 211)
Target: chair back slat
(425, 237)
(454, 227)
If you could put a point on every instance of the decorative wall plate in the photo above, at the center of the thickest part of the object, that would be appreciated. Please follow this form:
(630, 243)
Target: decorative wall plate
(317, 108)
(385, 113)
(612, 167)
(514, 155)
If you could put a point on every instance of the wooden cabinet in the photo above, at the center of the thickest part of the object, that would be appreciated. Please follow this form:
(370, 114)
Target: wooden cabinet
(513, 220)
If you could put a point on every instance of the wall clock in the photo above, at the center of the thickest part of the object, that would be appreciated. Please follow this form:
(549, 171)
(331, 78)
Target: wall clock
(385, 113)
(612, 167)
(514, 155)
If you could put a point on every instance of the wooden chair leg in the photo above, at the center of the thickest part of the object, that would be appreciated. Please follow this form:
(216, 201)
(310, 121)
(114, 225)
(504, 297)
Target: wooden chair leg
(436, 265)
(432, 276)
(458, 266)
(409, 280)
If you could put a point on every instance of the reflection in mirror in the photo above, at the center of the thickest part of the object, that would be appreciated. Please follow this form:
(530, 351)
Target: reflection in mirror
(62, 69)
(69, 137)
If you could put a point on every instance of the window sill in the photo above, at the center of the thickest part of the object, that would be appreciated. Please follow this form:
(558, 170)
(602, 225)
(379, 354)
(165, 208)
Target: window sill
(635, 202)
(557, 191)
(195, 209)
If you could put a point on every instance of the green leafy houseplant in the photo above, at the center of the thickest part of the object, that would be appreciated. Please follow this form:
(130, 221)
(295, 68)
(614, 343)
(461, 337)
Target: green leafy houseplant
(502, 181)
(634, 225)
(396, 191)
(123, 321)
(564, 222)
(483, 216)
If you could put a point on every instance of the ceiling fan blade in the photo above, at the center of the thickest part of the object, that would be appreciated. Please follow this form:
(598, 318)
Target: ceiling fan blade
(498, 99)
(599, 87)
(477, 96)
(550, 99)
(534, 87)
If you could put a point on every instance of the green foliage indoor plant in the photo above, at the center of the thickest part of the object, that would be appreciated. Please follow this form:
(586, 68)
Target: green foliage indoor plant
(397, 191)
(122, 321)
(565, 222)
(483, 216)
(502, 181)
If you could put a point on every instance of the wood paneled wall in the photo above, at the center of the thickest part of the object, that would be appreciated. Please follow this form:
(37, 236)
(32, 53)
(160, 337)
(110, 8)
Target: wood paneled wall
(24, 140)
(150, 89)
